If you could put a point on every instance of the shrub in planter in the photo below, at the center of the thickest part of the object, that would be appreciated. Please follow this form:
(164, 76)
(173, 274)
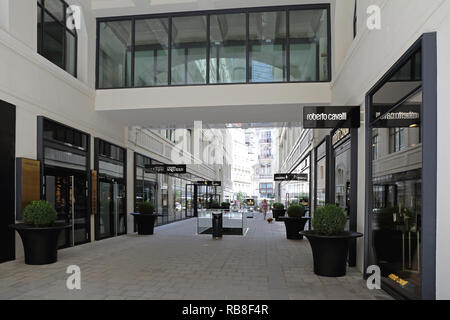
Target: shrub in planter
(296, 211)
(329, 220)
(39, 214)
(278, 206)
(329, 241)
(39, 233)
(225, 205)
(295, 221)
(146, 207)
(145, 218)
(278, 211)
(214, 205)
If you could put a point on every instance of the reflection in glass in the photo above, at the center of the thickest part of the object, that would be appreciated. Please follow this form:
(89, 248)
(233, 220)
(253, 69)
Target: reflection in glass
(106, 215)
(321, 182)
(189, 43)
(397, 204)
(151, 66)
(342, 177)
(53, 45)
(56, 8)
(308, 45)
(267, 37)
(115, 54)
(297, 191)
(228, 48)
(71, 53)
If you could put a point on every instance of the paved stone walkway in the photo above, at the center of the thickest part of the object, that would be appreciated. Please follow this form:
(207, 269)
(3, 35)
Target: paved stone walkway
(176, 263)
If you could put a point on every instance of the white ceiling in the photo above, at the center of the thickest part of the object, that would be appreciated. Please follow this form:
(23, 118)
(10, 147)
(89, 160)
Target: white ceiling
(213, 116)
(109, 8)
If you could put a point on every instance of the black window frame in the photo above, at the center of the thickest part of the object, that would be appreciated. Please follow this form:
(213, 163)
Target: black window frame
(41, 33)
(355, 20)
(208, 13)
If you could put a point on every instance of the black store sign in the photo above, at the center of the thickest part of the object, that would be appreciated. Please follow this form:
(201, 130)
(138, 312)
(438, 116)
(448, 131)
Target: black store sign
(210, 183)
(402, 117)
(331, 117)
(291, 177)
(166, 168)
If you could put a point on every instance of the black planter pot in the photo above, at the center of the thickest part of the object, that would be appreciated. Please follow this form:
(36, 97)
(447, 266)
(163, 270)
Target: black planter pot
(330, 252)
(277, 214)
(145, 223)
(294, 226)
(40, 244)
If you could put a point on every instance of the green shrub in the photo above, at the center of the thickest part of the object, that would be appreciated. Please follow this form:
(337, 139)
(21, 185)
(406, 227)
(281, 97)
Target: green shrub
(39, 214)
(226, 205)
(296, 211)
(329, 220)
(278, 206)
(146, 207)
(215, 205)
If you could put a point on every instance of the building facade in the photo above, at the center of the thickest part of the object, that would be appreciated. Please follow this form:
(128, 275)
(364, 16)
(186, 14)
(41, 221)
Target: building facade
(77, 103)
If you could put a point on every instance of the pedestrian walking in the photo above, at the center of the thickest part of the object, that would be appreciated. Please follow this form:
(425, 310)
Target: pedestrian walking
(265, 207)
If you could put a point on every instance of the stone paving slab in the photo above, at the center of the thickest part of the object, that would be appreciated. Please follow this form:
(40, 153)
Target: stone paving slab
(175, 263)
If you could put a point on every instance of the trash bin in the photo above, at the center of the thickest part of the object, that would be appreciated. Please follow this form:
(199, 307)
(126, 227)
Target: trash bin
(217, 224)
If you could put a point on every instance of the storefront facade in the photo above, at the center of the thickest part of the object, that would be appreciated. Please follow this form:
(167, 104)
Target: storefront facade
(174, 196)
(110, 165)
(64, 154)
(401, 173)
(298, 191)
(343, 178)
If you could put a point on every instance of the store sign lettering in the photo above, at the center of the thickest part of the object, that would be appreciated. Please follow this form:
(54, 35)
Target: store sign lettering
(164, 168)
(331, 117)
(210, 183)
(340, 134)
(404, 116)
(291, 177)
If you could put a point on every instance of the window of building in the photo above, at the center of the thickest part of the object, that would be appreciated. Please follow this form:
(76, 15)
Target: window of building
(375, 146)
(169, 134)
(228, 58)
(266, 189)
(215, 47)
(114, 54)
(111, 151)
(189, 50)
(151, 52)
(55, 41)
(267, 37)
(266, 137)
(55, 132)
(308, 45)
(396, 139)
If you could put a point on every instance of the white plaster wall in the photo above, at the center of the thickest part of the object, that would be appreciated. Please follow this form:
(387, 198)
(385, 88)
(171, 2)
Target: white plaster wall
(443, 159)
(403, 22)
(37, 87)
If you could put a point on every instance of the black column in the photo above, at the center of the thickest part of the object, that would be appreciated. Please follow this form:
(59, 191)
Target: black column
(353, 196)
(195, 202)
(7, 173)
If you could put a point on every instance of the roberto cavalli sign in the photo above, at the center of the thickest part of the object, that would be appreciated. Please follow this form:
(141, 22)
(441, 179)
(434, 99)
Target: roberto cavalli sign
(166, 168)
(290, 177)
(331, 117)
